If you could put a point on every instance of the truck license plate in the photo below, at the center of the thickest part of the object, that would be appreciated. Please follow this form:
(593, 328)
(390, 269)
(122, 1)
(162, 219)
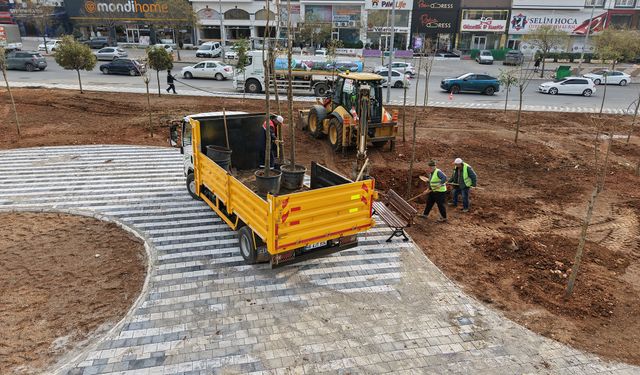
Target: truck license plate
(316, 245)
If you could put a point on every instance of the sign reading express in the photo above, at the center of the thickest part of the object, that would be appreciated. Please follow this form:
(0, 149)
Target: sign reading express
(123, 10)
(435, 17)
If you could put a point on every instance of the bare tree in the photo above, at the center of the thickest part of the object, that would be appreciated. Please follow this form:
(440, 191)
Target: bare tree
(39, 13)
(546, 39)
(182, 16)
(601, 173)
(3, 67)
(524, 76)
(635, 117)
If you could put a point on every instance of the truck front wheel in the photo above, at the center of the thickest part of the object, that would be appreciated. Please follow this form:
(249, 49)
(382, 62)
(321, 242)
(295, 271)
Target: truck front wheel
(320, 90)
(247, 248)
(191, 186)
(252, 86)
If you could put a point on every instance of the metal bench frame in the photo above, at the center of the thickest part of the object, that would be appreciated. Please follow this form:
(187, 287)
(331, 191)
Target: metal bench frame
(403, 218)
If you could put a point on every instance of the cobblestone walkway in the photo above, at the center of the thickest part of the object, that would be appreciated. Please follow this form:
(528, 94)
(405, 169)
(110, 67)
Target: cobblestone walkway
(374, 309)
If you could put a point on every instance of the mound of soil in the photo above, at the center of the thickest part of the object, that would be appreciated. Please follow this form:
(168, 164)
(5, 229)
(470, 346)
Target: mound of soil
(63, 278)
(514, 250)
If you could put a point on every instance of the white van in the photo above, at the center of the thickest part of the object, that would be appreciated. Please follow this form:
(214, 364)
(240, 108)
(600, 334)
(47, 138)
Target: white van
(209, 49)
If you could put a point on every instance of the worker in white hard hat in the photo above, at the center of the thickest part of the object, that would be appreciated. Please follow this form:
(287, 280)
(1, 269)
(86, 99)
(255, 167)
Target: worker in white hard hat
(462, 179)
(273, 134)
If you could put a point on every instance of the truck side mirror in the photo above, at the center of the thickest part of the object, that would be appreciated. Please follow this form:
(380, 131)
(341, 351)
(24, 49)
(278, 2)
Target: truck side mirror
(174, 137)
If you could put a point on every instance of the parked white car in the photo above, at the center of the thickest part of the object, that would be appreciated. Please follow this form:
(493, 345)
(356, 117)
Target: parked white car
(399, 66)
(231, 53)
(208, 69)
(167, 47)
(398, 79)
(110, 53)
(613, 77)
(209, 49)
(484, 57)
(569, 85)
(51, 45)
(320, 52)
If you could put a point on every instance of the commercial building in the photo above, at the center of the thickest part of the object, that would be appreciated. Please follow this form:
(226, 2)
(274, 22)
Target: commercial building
(435, 21)
(483, 24)
(623, 13)
(379, 23)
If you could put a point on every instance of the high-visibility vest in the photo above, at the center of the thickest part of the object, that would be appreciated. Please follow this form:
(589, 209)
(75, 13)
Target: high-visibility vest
(465, 175)
(435, 182)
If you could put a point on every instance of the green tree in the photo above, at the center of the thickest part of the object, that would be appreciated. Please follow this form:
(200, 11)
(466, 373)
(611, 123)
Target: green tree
(332, 52)
(3, 67)
(617, 45)
(72, 55)
(181, 16)
(546, 39)
(159, 59)
(242, 48)
(508, 79)
(312, 32)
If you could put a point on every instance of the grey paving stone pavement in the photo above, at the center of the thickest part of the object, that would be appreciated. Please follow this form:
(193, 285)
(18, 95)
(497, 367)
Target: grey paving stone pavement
(377, 308)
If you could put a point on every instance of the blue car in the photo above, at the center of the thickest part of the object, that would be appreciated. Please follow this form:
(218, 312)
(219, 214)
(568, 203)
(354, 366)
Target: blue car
(471, 82)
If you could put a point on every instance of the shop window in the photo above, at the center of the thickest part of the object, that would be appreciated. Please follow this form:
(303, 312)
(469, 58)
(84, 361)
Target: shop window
(625, 3)
(236, 14)
(621, 20)
(513, 44)
(211, 33)
(594, 3)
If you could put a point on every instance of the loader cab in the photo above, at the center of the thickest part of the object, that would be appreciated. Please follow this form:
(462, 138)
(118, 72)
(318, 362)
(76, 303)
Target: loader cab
(346, 89)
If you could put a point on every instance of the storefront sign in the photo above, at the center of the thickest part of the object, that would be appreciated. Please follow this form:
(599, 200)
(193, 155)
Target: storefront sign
(573, 22)
(117, 10)
(432, 17)
(388, 4)
(387, 29)
(437, 4)
(484, 24)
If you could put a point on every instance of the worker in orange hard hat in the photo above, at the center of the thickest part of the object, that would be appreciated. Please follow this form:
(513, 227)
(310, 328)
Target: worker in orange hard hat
(273, 135)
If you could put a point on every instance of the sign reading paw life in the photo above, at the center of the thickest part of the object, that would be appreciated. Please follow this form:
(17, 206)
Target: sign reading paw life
(388, 4)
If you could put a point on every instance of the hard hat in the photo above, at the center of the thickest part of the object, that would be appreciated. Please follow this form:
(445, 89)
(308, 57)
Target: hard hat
(457, 161)
(279, 119)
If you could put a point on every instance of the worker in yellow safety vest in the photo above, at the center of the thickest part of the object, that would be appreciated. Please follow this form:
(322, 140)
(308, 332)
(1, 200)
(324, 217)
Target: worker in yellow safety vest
(462, 179)
(437, 191)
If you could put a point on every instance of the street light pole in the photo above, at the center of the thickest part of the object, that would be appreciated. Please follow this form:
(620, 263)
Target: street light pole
(393, 27)
(586, 38)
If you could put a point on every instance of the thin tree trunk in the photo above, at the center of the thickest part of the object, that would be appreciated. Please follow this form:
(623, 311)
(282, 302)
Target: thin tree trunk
(506, 100)
(583, 238)
(415, 122)
(604, 95)
(267, 77)
(79, 81)
(178, 45)
(404, 114)
(44, 37)
(635, 117)
(520, 90)
(544, 62)
(292, 127)
(149, 108)
(158, 79)
(13, 103)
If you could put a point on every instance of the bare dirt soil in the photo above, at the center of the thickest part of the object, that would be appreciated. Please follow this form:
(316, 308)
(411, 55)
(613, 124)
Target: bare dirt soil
(514, 250)
(63, 278)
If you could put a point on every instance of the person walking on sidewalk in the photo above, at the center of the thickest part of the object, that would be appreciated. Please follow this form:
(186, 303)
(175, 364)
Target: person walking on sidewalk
(437, 192)
(536, 64)
(463, 179)
(170, 80)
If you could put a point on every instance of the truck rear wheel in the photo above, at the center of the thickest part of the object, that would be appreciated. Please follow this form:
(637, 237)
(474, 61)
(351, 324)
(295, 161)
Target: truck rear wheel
(252, 86)
(335, 134)
(315, 124)
(191, 186)
(247, 248)
(320, 90)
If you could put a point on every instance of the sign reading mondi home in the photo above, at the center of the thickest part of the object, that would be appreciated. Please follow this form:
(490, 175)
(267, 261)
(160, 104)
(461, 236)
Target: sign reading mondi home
(126, 10)
(432, 17)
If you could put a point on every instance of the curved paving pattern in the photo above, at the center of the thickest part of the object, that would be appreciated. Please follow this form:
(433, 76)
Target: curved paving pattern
(373, 309)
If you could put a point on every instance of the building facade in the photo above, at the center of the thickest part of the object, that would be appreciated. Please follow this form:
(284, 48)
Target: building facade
(623, 13)
(483, 24)
(434, 24)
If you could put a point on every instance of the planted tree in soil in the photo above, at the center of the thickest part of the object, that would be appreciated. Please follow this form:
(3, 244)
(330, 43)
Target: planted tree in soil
(72, 55)
(159, 59)
(273, 53)
(267, 179)
(524, 76)
(293, 174)
(3, 67)
(508, 78)
(601, 173)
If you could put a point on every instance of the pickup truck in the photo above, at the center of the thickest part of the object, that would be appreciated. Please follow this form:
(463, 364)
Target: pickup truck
(323, 218)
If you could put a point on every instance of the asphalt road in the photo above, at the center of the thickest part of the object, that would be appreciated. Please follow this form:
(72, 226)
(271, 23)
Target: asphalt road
(616, 98)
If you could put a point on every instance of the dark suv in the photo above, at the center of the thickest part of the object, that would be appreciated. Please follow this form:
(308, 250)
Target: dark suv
(98, 42)
(26, 60)
(123, 66)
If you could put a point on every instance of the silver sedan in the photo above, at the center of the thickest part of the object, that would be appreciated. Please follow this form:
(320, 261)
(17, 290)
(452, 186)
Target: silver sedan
(111, 53)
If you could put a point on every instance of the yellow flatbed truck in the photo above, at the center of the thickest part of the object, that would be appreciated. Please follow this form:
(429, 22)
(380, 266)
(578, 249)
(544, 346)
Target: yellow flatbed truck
(281, 229)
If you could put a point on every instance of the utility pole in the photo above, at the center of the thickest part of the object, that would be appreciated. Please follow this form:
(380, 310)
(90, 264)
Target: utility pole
(393, 27)
(223, 33)
(586, 38)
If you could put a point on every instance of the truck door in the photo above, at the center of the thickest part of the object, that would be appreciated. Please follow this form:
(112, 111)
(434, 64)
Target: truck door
(186, 147)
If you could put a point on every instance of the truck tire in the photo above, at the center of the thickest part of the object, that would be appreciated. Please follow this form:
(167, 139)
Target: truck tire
(320, 90)
(247, 248)
(252, 86)
(315, 124)
(335, 134)
(191, 186)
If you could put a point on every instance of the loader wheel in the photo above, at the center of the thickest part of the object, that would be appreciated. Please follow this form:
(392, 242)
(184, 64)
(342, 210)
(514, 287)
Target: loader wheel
(378, 144)
(315, 126)
(191, 186)
(247, 248)
(335, 134)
